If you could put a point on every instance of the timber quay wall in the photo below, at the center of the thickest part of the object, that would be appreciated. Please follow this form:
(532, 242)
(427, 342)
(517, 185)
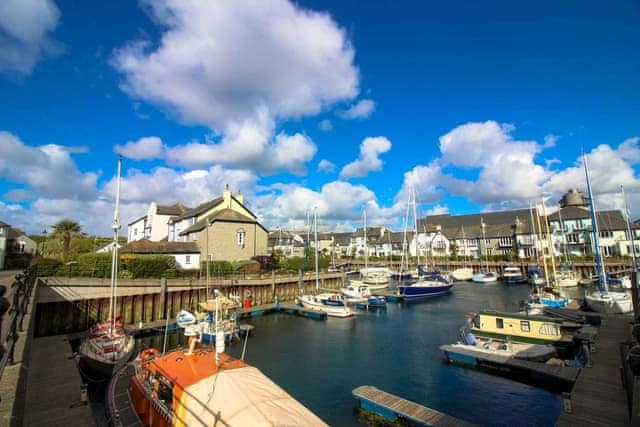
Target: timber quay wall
(68, 305)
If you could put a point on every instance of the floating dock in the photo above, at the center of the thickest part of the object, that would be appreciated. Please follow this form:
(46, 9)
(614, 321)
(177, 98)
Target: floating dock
(118, 402)
(555, 377)
(390, 296)
(395, 408)
(288, 308)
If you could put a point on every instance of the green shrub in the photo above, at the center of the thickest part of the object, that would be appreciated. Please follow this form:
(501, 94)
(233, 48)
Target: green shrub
(47, 266)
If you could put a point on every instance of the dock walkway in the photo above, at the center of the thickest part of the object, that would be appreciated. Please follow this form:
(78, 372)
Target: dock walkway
(598, 397)
(393, 407)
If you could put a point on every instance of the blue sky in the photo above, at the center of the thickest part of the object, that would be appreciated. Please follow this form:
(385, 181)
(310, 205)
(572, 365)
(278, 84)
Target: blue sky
(341, 105)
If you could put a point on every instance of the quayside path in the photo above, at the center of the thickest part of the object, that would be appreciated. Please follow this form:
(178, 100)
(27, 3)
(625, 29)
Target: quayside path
(599, 397)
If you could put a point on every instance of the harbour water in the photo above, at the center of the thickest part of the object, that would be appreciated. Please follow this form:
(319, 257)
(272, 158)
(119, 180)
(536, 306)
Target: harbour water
(396, 350)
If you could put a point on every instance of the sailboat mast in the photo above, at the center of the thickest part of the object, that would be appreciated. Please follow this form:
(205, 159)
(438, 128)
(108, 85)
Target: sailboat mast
(315, 237)
(415, 223)
(366, 244)
(115, 227)
(540, 238)
(633, 245)
(483, 245)
(535, 234)
(602, 280)
(550, 244)
(565, 251)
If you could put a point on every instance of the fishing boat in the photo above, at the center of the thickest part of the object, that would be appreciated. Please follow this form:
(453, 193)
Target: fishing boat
(602, 300)
(107, 346)
(204, 387)
(523, 327)
(487, 277)
(513, 276)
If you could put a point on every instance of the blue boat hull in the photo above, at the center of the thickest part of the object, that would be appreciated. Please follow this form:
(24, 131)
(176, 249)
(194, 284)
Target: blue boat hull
(423, 291)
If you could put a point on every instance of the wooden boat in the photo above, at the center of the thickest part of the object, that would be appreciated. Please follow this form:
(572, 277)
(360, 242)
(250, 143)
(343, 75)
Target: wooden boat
(199, 387)
(107, 346)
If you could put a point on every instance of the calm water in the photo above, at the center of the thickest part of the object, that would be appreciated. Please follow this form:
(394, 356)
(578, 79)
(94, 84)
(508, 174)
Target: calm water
(320, 363)
(397, 350)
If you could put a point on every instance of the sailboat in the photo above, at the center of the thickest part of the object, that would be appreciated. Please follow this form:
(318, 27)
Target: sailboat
(403, 272)
(428, 284)
(484, 276)
(602, 300)
(375, 278)
(463, 273)
(108, 346)
(333, 304)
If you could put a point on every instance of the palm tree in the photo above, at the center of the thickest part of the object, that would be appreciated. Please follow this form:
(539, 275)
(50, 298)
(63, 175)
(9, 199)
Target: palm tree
(66, 229)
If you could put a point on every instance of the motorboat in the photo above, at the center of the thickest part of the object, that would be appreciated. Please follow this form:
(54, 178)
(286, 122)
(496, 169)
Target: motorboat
(462, 274)
(513, 276)
(334, 305)
(360, 295)
(487, 277)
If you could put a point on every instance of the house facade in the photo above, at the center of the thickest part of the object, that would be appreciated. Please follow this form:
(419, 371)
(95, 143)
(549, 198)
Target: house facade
(186, 254)
(154, 226)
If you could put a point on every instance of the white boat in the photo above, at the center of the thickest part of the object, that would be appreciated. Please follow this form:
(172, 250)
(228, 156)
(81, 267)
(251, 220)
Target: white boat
(513, 276)
(602, 300)
(376, 276)
(108, 346)
(488, 277)
(567, 279)
(219, 312)
(462, 274)
(332, 304)
(484, 346)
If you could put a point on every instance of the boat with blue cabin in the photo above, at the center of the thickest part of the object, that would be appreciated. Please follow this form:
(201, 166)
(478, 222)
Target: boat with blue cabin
(425, 287)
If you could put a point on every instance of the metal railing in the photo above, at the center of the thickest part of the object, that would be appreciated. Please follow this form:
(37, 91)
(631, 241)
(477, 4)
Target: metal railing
(22, 288)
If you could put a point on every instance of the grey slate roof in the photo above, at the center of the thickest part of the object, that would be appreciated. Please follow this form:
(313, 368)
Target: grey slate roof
(145, 246)
(224, 215)
(497, 224)
(175, 209)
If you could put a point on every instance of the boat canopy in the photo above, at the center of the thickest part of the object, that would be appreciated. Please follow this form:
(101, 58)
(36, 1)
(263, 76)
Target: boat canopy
(240, 397)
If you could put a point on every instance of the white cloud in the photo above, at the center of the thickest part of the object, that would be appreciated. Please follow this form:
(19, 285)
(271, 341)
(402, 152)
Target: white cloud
(325, 125)
(218, 61)
(362, 109)
(368, 161)
(426, 182)
(326, 166)
(25, 34)
(507, 168)
(550, 140)
(249, 145)
(147, 148)
(48, 170)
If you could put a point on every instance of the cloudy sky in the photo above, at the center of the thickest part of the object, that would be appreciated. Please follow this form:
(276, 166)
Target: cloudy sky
(341, 105)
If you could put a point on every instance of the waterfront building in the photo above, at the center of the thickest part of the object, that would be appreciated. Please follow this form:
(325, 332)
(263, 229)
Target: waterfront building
(186, 254)
(4, 233)
(154, 226)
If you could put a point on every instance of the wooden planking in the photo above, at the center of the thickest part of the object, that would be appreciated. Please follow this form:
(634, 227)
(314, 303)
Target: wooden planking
(598, 397)
(406, 408)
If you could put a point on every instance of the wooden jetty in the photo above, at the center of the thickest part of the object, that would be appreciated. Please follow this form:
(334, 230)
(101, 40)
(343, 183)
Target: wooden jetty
(554, 377)
(288, 308)
(599, 398)
(395, 408)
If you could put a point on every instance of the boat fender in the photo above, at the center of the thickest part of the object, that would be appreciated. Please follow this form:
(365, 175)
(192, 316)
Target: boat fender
(148, 354)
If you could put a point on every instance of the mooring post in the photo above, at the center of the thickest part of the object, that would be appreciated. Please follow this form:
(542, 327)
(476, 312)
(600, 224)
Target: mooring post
(163, 296)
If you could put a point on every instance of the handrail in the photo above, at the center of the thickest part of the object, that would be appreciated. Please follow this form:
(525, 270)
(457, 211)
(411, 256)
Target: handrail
(22, 288)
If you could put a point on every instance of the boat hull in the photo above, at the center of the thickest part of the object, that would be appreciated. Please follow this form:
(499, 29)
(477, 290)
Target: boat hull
(610, 302)
(92, 366)
(311, 302)
(424, 291)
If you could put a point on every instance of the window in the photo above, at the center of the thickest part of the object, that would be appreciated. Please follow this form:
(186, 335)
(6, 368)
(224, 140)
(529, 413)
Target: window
(500, 323)
(525, 326)
(241, 237)
(187, 259)
(549, 329)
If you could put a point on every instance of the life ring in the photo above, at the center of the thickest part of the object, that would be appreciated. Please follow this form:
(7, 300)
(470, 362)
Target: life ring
(148, 354)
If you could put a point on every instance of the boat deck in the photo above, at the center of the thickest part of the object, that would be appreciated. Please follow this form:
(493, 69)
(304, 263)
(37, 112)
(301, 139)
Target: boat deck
(542, 373)
(598, 397)
(118, 400)
(389, 405)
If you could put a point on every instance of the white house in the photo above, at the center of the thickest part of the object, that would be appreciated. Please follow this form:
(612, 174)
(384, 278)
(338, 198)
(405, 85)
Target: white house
(155, 224)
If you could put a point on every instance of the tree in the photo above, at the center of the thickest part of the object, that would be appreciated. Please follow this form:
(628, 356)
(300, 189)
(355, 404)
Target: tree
(65, 230)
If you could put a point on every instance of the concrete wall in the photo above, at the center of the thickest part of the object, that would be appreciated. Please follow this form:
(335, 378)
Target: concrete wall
(221, 243)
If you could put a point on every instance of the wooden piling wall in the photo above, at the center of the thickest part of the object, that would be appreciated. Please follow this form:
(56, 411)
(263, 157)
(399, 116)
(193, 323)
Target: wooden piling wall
(68, 316)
